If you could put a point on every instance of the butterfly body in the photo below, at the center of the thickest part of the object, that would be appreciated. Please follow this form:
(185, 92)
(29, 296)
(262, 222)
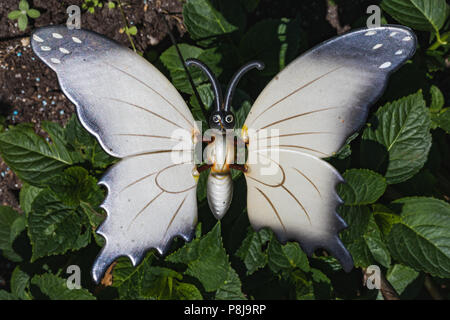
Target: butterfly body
(219, 187)
(303, 116)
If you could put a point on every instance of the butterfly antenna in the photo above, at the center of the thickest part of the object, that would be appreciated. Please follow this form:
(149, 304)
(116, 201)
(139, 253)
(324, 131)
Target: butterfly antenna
(237, 76)
(189, 76)
(214, 83)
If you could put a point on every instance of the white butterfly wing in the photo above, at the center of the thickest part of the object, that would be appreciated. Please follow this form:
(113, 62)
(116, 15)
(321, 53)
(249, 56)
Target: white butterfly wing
(306, 113)
(136, 114)
(323, 96)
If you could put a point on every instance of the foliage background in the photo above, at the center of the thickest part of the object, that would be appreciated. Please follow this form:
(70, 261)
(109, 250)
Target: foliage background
(396, 168)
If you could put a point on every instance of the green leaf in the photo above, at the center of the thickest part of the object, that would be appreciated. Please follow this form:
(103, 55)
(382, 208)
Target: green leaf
(14, 15)
(151, 282)
(420, 240)
(400, 276)
(385, 218)
(5, 295)
(231, 287)
(128, 279)
(187, 291)
(27, 195)
(20, 282)
(111, 5)
(286, 257)
(201, 186)
(207, 96)
(84, 147)
(23, 5)
(33, 13)
(75, 185)
(132, 30)
(202, 20)
(363, 238)
(376, 243)
(11, 225)
(251, 251)
(437, 99)
(402, 129)
(56, 288)
(207, 260)
(361, 186)
(54, 227)
(22, 22)
(172, 62)
(442, 120)
(357, 218)
(32, 158)
(424, 15)
(95, 219)
(276, 42)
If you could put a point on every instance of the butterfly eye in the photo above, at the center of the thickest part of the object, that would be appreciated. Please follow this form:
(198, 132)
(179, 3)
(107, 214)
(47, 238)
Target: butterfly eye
(229, 118)
(216, 119)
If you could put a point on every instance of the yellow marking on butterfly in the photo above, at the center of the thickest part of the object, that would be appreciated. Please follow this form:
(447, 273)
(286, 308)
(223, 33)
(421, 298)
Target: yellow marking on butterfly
(244, 133)
(195, 174)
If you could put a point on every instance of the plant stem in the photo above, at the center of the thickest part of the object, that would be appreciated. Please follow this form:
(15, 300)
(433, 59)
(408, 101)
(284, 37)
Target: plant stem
(440, 40)
(386, 289)
(432, 289)
(191, 81)
(126, 25)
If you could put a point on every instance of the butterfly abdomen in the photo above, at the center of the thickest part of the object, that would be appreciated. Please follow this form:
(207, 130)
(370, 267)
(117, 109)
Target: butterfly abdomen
(219, 193)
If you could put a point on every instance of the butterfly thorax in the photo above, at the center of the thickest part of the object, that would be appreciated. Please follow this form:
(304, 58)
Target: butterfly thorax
(220, 152)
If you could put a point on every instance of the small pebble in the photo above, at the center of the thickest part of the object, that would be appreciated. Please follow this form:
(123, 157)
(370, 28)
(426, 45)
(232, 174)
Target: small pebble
(39, 96)
(38, 79)
(44, 103)
(61, 112)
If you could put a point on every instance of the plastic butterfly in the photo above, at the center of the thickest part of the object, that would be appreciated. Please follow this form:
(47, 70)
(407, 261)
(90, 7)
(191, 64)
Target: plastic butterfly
(306, 113)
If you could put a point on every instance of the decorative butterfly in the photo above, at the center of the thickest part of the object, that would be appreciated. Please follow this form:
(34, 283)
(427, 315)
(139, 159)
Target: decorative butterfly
(305, 114)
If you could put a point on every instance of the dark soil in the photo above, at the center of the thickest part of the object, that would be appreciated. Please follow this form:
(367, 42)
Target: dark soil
(29, 89)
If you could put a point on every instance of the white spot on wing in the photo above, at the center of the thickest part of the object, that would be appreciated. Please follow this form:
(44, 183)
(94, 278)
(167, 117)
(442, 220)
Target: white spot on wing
(54, 60)
(57, 35)
(75, 39)
(385, 65)
(63, 50)
(398, 52)
(407, 38)
(45, 48)
(377, 46)
(393, 33)
(370, 33)
(38, 39)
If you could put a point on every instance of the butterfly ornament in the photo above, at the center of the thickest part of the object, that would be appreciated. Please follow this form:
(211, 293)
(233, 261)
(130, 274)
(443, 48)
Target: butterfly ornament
(304, 115)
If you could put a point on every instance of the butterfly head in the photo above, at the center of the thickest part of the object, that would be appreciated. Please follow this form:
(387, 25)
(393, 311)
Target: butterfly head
(221, 120)
(221, 117)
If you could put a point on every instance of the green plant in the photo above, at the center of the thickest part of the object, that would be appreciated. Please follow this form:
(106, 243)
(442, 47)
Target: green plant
(90, 5)
(23, 13)
(396, 170)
